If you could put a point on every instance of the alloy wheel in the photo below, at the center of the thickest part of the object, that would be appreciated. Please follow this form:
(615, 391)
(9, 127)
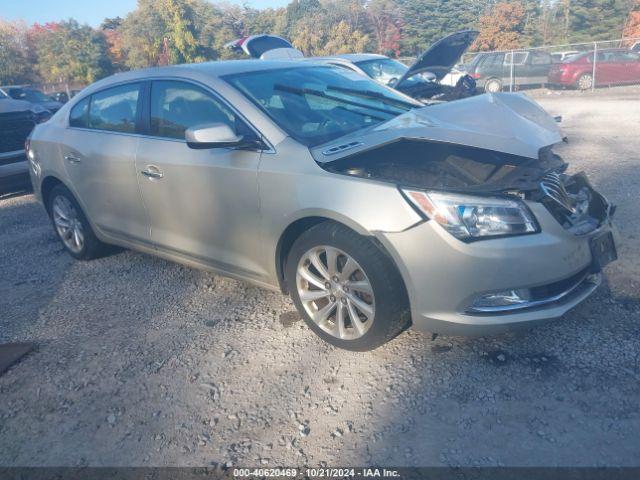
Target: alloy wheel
(335, 292)
(585, 82)
(68, 224)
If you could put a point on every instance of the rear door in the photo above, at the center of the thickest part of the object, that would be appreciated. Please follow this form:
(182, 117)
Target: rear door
(98, 151)
(202, 204)
(491, 66)
(607, 72)
(521, 68)
(539, 65)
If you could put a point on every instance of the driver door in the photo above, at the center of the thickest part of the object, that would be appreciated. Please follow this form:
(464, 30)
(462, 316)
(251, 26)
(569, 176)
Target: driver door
(202, 204)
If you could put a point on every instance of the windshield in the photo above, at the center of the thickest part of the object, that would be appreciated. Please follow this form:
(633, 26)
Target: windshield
(28, 94)
(319, 104)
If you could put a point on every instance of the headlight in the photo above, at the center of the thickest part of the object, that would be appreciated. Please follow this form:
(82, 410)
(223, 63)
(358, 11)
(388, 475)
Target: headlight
(468, 218)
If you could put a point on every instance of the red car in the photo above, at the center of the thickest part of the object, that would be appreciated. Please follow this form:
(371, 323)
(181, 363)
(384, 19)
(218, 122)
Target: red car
(613, 66)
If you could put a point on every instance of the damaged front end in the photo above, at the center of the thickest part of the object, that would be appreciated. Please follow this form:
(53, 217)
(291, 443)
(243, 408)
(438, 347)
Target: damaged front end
(491, 145)
(438, 166)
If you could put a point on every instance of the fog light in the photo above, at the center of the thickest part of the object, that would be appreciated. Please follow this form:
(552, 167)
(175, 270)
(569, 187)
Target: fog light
(502, 299)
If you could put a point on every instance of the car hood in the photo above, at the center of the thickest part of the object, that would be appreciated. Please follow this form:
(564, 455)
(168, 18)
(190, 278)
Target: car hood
(9, 105)
(510, 123)
(52, 106)
(442, 55)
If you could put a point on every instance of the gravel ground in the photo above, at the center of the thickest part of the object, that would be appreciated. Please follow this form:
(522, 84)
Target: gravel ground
(144, 362)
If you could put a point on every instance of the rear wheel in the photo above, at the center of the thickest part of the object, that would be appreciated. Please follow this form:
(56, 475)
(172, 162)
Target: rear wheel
(72, 227)
(346, 288)
(493, 85)
(585, 82)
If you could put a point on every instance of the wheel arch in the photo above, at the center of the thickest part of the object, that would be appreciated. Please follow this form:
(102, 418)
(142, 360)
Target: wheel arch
(493, 78)
(297, 227)
(48, 183)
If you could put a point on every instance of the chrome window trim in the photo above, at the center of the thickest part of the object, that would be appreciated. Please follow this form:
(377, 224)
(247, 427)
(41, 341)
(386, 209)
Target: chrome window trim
(270, 148)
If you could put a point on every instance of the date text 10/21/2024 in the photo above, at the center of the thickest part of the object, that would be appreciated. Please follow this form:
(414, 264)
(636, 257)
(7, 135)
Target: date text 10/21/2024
(316, 472)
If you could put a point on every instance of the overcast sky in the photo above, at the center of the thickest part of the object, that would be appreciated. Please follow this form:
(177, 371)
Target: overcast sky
(86, 11)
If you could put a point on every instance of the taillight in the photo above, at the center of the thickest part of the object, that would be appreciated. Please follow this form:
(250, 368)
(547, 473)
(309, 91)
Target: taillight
(475, 75)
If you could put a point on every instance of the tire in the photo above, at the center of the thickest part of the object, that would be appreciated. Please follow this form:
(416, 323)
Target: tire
(381, 315)
(584, 82)
(493, 85)
(90, 247)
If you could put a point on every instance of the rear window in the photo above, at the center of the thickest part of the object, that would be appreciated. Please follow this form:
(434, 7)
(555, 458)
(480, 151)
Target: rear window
(115, 109)
(79, 116)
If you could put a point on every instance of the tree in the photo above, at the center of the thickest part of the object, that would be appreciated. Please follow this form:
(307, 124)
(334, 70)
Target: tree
(632, 25)
(300, 10)
(385, 19)
(112, 30)
(161, 31)
(14, 63)
(591, 20)
(426, 21)
(68, 52)
(501, 28)
(343, 39)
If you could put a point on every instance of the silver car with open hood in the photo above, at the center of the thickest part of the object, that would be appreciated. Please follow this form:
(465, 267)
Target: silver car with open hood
(373, 211)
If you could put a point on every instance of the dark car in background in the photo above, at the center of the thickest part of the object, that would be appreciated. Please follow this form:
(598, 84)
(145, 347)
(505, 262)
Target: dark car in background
(63, 96)
(17, 119)
(492, 71)
(30, 94)
(614, 66)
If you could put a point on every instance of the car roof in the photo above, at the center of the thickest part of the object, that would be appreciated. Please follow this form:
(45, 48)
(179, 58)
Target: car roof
(351, 57)
(210, 69)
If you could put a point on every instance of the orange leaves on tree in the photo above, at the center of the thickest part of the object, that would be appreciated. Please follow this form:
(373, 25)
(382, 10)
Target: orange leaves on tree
(501, 27)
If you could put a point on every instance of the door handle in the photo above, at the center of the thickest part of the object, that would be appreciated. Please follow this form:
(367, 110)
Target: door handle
(152, 172)
(71, 158)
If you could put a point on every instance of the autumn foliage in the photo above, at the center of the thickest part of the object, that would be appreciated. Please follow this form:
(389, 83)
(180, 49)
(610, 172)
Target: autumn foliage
(501, 27)
(632, 25)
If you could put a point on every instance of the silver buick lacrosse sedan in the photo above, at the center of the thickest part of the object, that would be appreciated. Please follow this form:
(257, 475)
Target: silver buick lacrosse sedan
(373, 211)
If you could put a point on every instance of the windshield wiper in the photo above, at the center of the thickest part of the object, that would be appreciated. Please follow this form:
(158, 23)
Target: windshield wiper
(377, 95)
(321, 94)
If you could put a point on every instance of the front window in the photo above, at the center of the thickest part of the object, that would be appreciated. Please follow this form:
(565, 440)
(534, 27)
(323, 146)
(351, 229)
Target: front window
(176, 106)
(319, 104)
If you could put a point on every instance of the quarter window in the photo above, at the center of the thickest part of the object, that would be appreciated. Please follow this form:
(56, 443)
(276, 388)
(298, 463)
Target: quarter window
(176, 106)
(79, 116)
(115, 109)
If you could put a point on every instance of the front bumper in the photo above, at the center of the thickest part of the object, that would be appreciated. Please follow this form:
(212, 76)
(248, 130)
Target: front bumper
(444, 275)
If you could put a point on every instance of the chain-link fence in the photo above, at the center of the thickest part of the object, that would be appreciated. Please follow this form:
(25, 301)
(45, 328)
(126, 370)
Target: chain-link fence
(580, 66)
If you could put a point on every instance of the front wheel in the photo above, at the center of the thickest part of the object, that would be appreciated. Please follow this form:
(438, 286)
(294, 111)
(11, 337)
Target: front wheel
(346, 288)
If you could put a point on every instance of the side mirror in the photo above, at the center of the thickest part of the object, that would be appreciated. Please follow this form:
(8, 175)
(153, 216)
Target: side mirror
(215, 135)
(392, 82)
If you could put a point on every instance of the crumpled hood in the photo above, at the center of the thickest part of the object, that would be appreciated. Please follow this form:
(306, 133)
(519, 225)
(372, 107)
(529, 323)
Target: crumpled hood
(503, 122)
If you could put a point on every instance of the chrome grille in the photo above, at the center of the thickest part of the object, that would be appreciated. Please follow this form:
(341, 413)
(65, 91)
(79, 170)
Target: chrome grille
(553, 188)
